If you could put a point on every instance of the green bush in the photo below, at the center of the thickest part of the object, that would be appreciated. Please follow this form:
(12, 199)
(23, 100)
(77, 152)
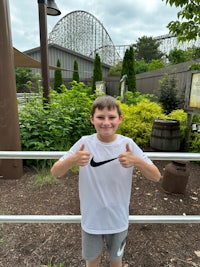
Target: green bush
(181, 116)
(60, 124)
(138, 121)
(168, 93)
(136, 97)
(194, 142)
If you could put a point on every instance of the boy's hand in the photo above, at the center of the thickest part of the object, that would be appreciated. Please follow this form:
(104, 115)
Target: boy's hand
(127, 158)
(82, 157)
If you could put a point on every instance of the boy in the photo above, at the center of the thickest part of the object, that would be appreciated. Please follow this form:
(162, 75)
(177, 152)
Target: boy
(106, 162)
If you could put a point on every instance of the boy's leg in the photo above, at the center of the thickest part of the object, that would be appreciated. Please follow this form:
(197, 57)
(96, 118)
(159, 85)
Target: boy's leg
(94, 263)
(92, 246)
(115, 245)
(117, 263)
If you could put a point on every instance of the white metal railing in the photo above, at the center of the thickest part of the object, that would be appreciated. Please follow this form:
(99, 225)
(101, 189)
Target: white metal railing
(77, 218)
(58, 154)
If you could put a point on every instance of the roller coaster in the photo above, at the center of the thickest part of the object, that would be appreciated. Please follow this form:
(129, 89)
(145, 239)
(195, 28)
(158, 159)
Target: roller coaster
(83, 33)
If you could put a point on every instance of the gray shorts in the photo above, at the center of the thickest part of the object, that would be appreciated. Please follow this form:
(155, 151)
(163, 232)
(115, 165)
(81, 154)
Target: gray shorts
(92, 245)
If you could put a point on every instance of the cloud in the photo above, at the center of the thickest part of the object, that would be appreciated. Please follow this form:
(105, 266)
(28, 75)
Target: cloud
(124, 20)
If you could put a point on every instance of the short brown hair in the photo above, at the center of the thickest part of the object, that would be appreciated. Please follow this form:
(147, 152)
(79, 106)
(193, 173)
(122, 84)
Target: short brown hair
(105, 101)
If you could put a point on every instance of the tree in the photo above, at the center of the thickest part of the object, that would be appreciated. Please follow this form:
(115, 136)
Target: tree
(187, 27)
(178, 56)
(116, 69)
(168, 93)
(23, 75)
(97, 71)
(75, 73)
(58, 78)
(128, 68)
(147, 48)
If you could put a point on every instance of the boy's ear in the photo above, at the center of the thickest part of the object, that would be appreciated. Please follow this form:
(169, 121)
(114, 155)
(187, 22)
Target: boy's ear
(91, 119)
(121, 118)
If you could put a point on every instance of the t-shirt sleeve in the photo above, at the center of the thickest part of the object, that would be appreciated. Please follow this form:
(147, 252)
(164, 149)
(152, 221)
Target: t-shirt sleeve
(139, 152)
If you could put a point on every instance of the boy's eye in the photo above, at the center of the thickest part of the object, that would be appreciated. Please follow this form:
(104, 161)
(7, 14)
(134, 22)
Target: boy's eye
(100, 117)
(103, 118)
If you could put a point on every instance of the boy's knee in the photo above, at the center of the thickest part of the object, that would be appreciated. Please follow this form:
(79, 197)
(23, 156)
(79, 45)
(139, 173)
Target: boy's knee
(93, 263)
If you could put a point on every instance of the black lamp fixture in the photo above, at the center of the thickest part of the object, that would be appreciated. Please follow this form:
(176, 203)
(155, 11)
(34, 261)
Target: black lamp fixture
(45, 7)
(52, 8)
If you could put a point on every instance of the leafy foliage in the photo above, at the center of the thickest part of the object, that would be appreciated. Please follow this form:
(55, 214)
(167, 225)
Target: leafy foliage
(147, 48)
(155, 64)
(138, 121)
(63, 121)
(23, 76)
(194, 143)
(97, 71)
(140, 66)
(58, 78)
(136, 97)
(187, 27)
(168, 93)
(181, 116)
(116, 69)
(60, 124)
(178, 55)
(76, 73)
(128, 68)
(194, 66)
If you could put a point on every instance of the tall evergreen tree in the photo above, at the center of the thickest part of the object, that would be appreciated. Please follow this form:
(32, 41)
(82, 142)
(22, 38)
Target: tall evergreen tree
(131, 79)
(97, 71)
(128, 68)
(58, 78)
(76, 73)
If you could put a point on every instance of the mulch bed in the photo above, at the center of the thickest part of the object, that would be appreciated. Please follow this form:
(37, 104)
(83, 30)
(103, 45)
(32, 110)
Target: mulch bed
(150, 245)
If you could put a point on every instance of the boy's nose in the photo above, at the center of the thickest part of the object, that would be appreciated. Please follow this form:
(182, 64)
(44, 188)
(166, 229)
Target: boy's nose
(106, 121)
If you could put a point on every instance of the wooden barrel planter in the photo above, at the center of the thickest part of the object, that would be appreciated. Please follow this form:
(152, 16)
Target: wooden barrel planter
(165, 135)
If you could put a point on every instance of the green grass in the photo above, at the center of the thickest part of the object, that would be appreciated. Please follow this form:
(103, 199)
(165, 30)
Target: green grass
(44, 177)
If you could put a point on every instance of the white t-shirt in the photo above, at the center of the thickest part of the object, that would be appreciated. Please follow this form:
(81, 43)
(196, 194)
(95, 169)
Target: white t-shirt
(104, 185)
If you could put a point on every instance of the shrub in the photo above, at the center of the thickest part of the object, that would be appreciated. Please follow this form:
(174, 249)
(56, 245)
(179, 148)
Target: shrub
(168, 93)
(194, 142)
(138, 121)
(136, 97)
(181, 116)
(59, 125)
(58, 81)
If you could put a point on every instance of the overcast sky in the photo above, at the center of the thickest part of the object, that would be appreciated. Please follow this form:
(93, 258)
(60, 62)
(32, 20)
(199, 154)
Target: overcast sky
(124, 20)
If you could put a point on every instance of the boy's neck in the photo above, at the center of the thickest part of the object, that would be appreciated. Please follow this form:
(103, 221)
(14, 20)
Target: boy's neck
(109, 139)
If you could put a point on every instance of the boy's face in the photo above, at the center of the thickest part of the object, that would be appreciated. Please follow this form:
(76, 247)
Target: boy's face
(106, 123)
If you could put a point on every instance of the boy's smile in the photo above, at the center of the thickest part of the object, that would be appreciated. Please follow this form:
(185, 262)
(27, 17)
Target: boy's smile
(106, 123)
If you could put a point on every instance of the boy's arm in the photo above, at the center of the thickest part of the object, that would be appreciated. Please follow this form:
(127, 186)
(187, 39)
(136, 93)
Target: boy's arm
(150, 171)
(129, 159)
(79, 158)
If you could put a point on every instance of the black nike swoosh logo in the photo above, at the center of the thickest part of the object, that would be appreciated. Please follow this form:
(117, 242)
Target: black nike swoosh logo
(96, 164)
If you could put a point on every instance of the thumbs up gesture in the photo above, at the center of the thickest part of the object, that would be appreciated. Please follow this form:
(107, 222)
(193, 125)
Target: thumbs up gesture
(82, 156)
(127, 158)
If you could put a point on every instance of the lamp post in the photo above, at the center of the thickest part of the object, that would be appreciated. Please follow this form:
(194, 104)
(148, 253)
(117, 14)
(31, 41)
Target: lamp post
(45, 7)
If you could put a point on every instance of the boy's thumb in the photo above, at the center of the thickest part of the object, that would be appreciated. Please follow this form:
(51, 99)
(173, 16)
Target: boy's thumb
(128, 148)
(82, 147)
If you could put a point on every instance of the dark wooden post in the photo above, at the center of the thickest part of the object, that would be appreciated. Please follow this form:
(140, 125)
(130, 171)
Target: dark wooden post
(9, 124)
